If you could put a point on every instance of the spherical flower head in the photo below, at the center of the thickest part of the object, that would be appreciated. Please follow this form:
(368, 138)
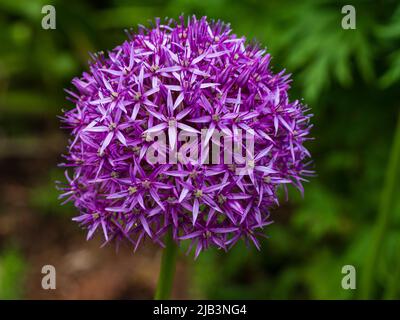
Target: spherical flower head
(183, 127)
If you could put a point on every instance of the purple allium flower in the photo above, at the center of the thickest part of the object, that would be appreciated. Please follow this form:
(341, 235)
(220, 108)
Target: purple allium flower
(177, 77)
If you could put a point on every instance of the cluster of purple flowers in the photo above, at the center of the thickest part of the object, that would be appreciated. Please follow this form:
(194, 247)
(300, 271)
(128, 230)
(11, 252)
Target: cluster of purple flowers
(181, 76)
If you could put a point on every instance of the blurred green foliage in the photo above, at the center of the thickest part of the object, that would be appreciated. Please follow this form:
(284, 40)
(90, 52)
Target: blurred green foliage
(350, 78)
(12, 267)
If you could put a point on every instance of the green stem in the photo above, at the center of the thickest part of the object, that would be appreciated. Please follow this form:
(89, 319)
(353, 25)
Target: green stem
(386, 204)
(167, 270)
(392, 283)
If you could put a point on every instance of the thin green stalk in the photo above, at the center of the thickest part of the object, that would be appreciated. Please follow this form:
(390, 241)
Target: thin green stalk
(393, 282)
(167, 270)
(386, 204)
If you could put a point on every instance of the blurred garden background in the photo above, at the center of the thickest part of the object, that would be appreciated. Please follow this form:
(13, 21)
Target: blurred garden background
(350, 214)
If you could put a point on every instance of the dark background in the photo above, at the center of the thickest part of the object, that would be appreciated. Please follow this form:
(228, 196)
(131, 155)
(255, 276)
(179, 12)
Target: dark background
(350, 79)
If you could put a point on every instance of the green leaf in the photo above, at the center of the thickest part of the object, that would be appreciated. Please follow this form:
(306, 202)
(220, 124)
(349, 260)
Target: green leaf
(12, 267)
